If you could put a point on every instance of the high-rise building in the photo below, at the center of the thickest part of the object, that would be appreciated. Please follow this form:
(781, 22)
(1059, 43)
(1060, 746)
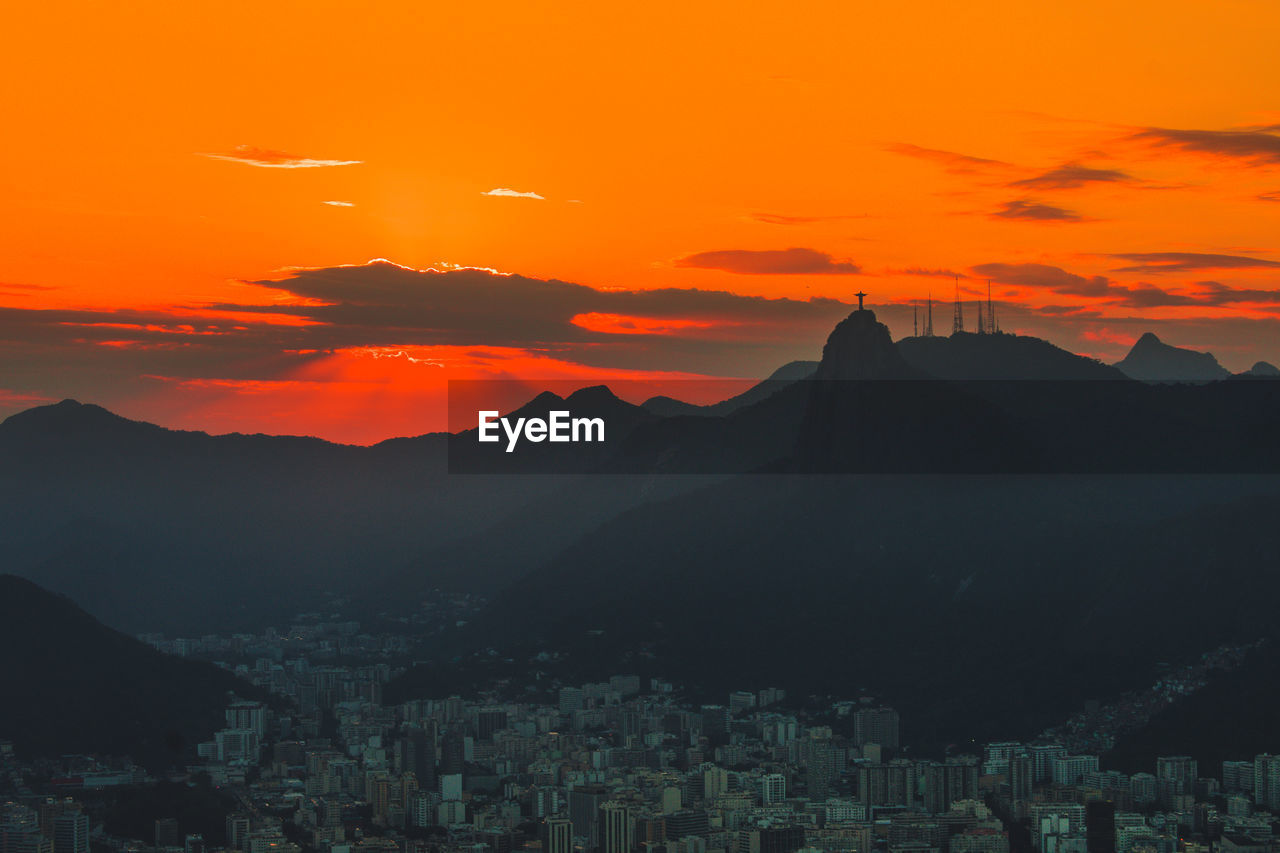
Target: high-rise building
(584, 812)
(557, 835)
(194, 844)
(944, 784)
(625, 685)
(876, 725)
(1237, 777)
(1070, 769)
(71, 832)
(451, 787)
(740, 701)
(773, 788)
(490, 720)
(166, 832)
(1021, 777)
(378, 793)
(416, 753)
(715, 724)
(1100, 826)
(1143, 788)
(453, 752)
(616, 828)
(248, 715)
(571, 699)
(1266, 780)
(688, 822)
(237, 832)
(1042, 756)
(1182, 770)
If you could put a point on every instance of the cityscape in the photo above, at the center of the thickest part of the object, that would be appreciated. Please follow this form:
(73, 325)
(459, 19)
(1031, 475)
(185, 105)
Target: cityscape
(616, 766)
(662, 427)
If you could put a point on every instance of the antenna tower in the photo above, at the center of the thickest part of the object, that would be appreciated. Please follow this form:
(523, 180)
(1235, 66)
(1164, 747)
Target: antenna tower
(957, 322)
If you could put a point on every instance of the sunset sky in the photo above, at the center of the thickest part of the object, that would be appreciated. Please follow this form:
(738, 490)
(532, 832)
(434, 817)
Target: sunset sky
(194, 194)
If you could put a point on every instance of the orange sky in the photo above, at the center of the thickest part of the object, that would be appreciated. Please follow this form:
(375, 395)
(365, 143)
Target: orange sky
(159, 155)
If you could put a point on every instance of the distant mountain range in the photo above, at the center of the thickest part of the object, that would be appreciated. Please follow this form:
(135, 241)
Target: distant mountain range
(1152, 360)
(1062, 530)
(76, 686)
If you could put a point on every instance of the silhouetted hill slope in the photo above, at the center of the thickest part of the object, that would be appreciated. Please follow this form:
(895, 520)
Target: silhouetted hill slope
(983, 606)
(869, 411)
(1232, 718)
(791, 372)
(859, 348)
(74, 685)
(1263, 369)
(185, 532)
(467, 455)
(966, 356)
(155, 529)
(1152, 360)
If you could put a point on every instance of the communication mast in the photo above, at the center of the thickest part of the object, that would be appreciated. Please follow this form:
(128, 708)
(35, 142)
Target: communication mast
(957, 322)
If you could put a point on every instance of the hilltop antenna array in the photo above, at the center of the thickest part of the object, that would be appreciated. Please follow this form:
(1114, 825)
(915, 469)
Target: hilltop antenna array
(957, 322)
(928, 317)
(991, 312)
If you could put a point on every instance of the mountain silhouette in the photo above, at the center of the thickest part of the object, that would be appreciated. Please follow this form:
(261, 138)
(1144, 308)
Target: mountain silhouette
(86, 688)
(789, 373)
(1152, 360)
(1002, 356)
(860, 348)
(155, 529)
(183, 532)
(1263, 369)
(941, 593)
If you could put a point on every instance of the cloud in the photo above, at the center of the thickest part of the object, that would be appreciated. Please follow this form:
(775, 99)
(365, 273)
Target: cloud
(298, 320)
(509, 193)
(794, 261)
(1271, 196)
(1251, 146)
(1216, 293)
(1026, 209)
(1207, 294)
(339, 203)
(1045, 277)
(269, 159)
(17, 287)
(1166, 262)
(1071, 176)
(10, 398)
(936, 273)
(784, 219)
(956, 164)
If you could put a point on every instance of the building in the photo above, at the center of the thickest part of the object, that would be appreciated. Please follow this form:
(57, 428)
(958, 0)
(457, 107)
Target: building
(71, 832)
(1266, 781)
(166, 832)
(237, 832)
(876, 725)
(1070, 769)
(773, 788)
(617, 828)
(1181, 770)
(557, 835)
